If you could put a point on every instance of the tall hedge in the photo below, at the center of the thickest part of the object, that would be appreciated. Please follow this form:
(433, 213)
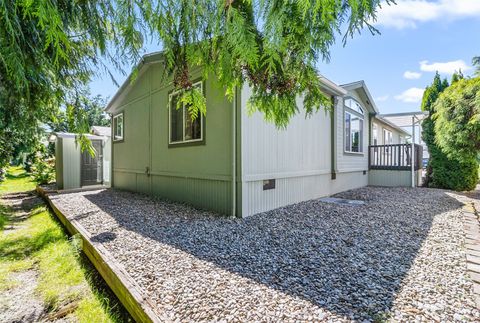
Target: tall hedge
(438, 161)
(444, 170)
(457, 130)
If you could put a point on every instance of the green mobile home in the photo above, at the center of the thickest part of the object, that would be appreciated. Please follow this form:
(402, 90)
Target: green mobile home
(229, 161)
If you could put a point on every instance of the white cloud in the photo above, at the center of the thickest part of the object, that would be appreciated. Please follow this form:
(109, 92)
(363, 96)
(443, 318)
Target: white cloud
(444, 67)
(412, 75)
(382, 98)
(408, 13)
(412, 95)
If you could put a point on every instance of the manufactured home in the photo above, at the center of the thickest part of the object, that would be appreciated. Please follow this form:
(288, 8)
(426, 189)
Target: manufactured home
(229, 161)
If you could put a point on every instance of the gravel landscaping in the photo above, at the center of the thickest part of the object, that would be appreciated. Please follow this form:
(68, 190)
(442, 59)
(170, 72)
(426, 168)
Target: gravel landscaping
(399, 257)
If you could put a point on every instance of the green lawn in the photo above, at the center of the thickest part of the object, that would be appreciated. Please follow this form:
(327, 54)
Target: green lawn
(65, 277)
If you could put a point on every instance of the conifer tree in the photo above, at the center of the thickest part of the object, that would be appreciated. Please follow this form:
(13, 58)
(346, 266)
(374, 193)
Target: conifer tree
(50, 48)
(444, 169)
(437, 169)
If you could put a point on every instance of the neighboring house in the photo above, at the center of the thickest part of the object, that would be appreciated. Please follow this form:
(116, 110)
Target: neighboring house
(76, 169)
(386, 133)
(229, 161)
(404, 121)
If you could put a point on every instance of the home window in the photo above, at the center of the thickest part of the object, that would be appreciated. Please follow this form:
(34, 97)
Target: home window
(183, 128)
(387, 137)
(118, 127)
(375, 134)
(353, 126)
(354, 106)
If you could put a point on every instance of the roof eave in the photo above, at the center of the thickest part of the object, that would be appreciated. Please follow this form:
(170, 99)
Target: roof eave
(331, 87)
(144, 61)
(361, 84)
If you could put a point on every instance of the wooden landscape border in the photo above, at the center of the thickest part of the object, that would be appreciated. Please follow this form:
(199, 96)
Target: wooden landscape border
(124, 287)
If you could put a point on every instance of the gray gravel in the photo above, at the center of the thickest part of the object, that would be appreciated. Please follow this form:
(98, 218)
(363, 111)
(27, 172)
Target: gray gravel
(399, 257)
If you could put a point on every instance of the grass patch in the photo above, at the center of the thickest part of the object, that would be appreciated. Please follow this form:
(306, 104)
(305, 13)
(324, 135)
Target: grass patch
(64, 274)
(17, 180)
(3, 216)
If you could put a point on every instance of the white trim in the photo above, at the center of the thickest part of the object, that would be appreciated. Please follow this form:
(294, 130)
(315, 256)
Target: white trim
(362, 118)
(261, 177)
(170, 142)
(115, 137)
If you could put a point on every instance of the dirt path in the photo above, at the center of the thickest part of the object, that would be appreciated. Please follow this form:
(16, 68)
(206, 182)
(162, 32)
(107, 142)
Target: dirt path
(20, 303)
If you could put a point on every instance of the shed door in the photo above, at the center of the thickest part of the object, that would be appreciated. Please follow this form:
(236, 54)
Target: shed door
(91, 167)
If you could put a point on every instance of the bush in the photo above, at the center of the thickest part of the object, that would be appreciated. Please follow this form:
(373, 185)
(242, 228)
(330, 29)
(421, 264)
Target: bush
(44, 170)
(452, 173)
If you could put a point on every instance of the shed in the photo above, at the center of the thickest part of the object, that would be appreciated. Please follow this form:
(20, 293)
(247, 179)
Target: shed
(76, 169)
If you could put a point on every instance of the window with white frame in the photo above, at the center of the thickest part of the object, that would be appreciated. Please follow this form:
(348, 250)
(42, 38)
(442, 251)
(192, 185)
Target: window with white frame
(354, 115)
(118, 127)
(183, 128)
(387, 137)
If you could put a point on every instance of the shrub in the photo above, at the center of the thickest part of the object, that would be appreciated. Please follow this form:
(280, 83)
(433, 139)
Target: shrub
(44, 170)
(452, 173)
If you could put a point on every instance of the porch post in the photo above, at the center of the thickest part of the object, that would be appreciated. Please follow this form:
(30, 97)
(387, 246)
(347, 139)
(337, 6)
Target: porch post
(413, 151)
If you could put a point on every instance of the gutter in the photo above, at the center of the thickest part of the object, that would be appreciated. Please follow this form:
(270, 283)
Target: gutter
(332, 87)
(333, 148)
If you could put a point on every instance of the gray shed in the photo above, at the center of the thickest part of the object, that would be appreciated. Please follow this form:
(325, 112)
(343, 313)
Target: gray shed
(76, 169)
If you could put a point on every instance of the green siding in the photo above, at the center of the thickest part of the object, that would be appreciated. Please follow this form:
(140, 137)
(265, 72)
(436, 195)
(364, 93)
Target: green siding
(206, 194)
(200, 174)
(380, 177)
(133, 152)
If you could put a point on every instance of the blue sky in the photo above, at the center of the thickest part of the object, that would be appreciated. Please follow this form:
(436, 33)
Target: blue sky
(417, 38)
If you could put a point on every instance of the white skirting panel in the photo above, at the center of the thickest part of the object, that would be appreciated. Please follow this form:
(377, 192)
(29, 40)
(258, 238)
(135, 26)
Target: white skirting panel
(296, 189)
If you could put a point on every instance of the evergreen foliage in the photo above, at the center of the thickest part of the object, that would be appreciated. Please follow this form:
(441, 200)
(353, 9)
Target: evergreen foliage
(270, 45)
(457, 119)
(448, 167)
(49, 49)
(437, 172)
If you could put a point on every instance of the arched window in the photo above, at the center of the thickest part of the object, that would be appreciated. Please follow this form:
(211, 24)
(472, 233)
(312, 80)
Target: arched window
(352, 104)
(354, 116)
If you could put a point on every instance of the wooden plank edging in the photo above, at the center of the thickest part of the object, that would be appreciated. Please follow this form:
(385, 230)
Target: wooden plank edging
(119, 281)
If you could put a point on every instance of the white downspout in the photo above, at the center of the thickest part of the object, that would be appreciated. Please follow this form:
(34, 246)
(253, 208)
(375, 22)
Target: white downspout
(413, 151)
(234, 153)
